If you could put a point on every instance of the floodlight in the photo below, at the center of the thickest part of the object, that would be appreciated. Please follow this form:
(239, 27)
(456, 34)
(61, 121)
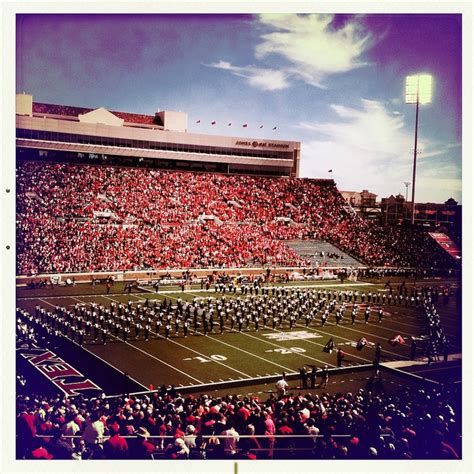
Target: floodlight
(418, 89)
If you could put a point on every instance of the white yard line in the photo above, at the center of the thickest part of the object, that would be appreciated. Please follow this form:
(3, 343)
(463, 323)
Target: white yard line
(98, 357)
(150, 355)
(194, 351)
(249, 353)
(302, 341)
(267, 342)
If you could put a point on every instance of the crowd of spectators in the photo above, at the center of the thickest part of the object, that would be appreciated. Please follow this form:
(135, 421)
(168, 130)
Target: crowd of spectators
(413, 424)
(98, 218)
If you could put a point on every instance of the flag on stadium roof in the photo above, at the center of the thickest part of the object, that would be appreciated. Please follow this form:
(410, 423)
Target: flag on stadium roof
(398, 339)
(361, 343)
(329, 347)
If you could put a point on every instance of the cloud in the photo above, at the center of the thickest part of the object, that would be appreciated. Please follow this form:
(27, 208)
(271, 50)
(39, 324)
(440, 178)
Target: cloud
(371, 131)
(261, 78)
(312, 47)
(370, 148)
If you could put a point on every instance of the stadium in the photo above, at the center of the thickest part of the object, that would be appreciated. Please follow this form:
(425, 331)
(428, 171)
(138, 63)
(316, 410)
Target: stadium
(190, 296)
(217, 261)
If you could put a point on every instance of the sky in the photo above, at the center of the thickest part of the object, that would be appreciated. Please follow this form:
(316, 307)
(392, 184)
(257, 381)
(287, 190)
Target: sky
(334, 82)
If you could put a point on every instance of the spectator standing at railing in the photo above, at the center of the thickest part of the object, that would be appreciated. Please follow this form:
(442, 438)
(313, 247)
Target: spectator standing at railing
(59, 447)
(71, 428)
(116, 447)
(229, 440)
(270, 430)
(26, 431)
(140, 447)
(94, 431)
(249, 445)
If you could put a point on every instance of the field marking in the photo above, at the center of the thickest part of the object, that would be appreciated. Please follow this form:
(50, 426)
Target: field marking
(47, 302)
(198, 290)
(434, 369)
(192, 350)
(111, 365)
(249, 353)
(96, 355)
(242, 350)
(278, 345)
(148, 354)
(318, 344)
(421, 316)
(345, 338)
(381, 326)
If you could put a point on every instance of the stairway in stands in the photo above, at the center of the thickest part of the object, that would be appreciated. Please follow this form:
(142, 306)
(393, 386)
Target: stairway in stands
(311, 250)
(447, 244)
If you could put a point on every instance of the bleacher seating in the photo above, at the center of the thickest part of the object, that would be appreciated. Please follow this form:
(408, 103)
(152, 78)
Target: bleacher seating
(368, 424)
(105, 218)
(321, 253)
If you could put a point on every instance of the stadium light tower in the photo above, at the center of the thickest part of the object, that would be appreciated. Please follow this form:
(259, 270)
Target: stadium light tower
(417, 91)
(407, 184)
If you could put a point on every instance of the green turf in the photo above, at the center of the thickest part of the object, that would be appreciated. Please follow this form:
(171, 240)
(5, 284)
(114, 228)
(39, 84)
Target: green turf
(200, 360)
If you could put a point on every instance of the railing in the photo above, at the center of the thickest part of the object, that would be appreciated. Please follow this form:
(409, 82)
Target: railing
(295, 446)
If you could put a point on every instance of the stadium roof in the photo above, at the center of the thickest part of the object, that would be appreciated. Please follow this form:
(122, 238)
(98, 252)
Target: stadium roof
(72, 111)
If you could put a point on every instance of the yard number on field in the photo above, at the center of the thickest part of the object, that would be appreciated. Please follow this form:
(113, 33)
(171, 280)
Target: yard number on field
(290, 350)
(291, 336)
(211, 358)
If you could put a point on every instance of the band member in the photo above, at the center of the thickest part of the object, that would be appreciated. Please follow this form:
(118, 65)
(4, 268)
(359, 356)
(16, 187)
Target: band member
(367, 314)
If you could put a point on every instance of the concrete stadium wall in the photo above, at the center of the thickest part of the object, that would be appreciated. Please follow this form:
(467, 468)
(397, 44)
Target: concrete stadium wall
(175, 273)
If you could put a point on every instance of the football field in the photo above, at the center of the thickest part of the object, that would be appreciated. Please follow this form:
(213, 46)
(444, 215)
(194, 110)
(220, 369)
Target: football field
(234, 358)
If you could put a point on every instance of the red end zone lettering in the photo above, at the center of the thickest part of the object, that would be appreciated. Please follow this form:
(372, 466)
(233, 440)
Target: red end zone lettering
(74, 388)
(57, 370)
(38, 359)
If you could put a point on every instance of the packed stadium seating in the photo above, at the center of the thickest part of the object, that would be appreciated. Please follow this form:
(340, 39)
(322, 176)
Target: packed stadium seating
(367, 424)
(92, 218)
